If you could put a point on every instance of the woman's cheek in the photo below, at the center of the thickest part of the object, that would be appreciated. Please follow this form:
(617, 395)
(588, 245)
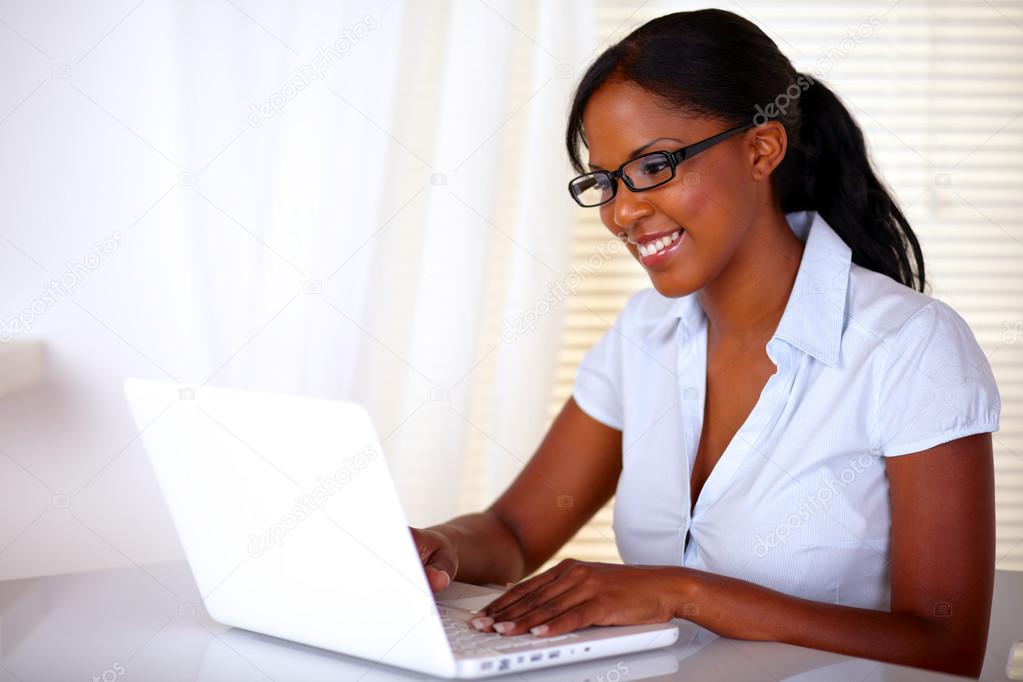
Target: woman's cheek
(692, 201)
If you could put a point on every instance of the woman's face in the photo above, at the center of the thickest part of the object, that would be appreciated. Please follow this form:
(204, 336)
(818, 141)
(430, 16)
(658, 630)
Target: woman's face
(710, 202)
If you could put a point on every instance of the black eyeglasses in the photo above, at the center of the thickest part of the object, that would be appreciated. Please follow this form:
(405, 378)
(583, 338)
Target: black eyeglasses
(640, 174)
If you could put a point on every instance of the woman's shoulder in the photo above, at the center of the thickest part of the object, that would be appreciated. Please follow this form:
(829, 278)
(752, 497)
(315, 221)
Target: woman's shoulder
(914, 342)
(886, 309)
(932, 380)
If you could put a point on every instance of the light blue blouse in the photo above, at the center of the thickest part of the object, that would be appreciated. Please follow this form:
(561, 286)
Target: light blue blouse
(798, 502)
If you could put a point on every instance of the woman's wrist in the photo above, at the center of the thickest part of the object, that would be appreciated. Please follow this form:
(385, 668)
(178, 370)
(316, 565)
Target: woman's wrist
(682, 585)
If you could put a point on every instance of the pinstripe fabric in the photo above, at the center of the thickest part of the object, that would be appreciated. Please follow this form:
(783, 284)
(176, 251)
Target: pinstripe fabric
(798, 502)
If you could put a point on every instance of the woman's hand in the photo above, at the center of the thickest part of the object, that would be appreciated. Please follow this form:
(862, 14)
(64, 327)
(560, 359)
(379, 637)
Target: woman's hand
(576, 594)
(439, 556)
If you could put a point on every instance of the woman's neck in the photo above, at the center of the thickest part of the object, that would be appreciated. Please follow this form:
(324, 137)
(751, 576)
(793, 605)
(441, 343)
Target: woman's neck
(745, 302)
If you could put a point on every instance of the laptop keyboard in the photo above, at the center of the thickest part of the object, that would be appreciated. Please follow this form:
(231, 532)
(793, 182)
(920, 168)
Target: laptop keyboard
(467, 641)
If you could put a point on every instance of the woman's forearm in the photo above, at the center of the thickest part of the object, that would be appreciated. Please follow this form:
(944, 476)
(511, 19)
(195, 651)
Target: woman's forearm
(488, 551)
(742, 610)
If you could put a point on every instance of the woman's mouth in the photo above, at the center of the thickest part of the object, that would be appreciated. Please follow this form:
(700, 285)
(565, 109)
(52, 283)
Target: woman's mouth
(655, 252)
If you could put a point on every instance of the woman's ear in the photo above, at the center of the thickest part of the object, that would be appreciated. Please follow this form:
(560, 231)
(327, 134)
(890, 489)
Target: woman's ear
(767, 145)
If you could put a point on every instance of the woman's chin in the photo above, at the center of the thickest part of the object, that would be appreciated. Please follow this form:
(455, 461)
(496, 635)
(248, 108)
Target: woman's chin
(672, 285)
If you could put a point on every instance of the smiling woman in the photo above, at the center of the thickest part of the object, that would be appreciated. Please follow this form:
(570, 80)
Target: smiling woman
(798, 440)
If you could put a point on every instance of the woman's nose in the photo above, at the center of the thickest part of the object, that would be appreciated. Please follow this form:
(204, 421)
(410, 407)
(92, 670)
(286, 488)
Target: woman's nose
(627, 208)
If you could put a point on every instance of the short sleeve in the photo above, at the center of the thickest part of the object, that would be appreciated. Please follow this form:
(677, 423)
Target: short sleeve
(598, 380)
(934, 385)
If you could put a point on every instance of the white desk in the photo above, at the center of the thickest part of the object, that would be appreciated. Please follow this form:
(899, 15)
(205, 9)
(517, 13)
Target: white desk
(136, 624)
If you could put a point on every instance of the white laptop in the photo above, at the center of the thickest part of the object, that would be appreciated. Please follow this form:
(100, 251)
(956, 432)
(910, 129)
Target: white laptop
(292, 527)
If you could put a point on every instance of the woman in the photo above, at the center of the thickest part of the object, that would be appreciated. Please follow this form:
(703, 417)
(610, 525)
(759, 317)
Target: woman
(832, 422)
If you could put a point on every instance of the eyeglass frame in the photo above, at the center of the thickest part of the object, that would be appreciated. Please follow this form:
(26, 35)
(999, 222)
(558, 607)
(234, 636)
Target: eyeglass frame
(674, 159)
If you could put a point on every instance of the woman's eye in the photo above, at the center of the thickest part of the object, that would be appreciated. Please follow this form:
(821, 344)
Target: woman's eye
(654, 166)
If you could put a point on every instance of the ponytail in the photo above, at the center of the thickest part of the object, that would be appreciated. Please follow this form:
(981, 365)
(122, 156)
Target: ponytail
(715, 63)
(827, 170)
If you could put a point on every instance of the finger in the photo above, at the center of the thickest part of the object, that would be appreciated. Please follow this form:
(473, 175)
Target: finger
(542, 595)
(579, 616)
(439, 565)
(521, 590)
(437, 578)
(442, 561)
(541, 614)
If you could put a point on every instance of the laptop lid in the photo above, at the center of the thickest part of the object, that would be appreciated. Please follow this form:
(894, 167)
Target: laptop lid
(290, 522)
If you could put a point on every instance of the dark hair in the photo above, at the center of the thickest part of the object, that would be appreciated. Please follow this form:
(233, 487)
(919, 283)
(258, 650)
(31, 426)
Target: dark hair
(715, 63)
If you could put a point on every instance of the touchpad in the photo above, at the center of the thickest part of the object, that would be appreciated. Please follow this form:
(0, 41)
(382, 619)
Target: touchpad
(466, 596)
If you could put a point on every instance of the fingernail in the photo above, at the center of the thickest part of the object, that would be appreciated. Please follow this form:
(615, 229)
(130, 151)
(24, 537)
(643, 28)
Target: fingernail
(482, 622)
(539, 630)
(504, 627)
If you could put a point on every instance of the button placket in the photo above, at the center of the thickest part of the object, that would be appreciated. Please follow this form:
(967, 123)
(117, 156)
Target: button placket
(749, 434)
(692, 385)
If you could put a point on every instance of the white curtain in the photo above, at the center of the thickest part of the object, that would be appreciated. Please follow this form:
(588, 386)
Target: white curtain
(394, 205)
(340, 200)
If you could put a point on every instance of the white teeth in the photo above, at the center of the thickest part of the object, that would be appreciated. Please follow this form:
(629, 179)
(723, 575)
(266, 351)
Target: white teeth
(658, 245)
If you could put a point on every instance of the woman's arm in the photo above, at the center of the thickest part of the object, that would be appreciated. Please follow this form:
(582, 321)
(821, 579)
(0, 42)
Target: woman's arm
(572, 475)
(942, 574)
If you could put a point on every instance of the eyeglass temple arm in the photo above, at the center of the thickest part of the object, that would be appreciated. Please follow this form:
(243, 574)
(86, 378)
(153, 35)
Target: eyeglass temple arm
(694, 149)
